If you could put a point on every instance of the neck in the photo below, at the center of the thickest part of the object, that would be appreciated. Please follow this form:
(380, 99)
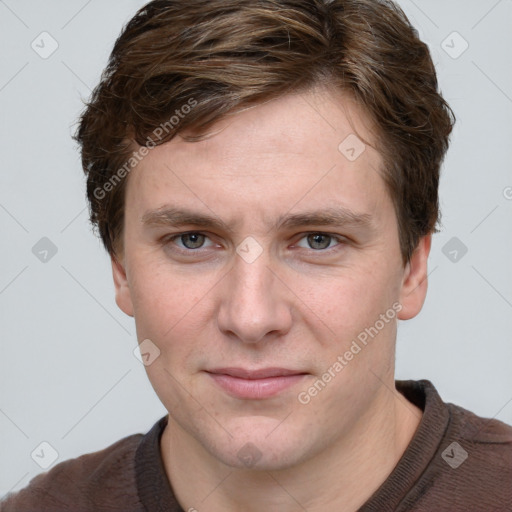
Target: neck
(340, 478)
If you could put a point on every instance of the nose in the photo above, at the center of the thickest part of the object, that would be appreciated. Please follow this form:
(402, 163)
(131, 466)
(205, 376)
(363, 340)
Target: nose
(255, 303)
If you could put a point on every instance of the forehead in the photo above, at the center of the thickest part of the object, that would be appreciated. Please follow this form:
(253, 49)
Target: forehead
(301, 150)
(300, 124)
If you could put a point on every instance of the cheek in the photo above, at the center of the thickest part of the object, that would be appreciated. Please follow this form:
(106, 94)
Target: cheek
(162, 299)
(344, 303)
(174, 311)
(344, 318)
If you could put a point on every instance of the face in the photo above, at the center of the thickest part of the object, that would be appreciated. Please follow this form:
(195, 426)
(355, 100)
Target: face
(256, 261)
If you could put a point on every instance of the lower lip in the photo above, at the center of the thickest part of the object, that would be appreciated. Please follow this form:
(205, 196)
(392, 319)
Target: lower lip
(255, 389)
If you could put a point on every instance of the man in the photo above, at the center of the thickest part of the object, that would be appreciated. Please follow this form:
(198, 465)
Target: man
(264, 176)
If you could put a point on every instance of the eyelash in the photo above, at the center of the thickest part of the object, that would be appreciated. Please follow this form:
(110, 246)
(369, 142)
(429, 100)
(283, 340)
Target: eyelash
(338, 238)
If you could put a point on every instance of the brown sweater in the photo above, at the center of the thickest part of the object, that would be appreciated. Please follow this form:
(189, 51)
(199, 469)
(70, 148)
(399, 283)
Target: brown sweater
(433, 475)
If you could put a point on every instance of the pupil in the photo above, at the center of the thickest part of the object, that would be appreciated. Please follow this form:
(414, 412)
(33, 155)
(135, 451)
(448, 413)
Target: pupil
(194, 240)
(316, 240)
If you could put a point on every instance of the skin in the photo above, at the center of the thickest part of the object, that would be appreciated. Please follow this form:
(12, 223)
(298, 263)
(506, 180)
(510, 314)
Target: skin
(297, 306)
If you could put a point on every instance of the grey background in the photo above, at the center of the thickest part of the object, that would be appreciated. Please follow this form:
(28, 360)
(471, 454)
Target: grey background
(67, 370)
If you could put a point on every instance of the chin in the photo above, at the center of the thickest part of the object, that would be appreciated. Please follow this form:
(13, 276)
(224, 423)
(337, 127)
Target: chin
(252, 457)
(255, 446)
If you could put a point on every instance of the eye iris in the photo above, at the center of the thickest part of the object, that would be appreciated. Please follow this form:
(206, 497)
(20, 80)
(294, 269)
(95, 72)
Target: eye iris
(315, 241)
(192, 240)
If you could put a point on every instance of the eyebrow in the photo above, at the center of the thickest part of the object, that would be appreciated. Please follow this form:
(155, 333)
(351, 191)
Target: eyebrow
(335, 217)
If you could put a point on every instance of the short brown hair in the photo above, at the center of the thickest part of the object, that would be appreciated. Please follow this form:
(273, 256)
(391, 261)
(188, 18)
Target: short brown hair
(222, 55)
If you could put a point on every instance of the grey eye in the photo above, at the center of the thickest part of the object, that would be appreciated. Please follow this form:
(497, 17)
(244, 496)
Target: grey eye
(192, 240)
(319, 241)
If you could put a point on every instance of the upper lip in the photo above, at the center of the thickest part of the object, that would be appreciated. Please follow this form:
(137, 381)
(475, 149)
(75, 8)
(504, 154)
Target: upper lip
(261, 373)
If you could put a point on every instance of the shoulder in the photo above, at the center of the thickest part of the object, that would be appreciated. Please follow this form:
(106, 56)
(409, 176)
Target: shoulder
(458, 461)
(474, 462)
(487, 439)
(103, 480)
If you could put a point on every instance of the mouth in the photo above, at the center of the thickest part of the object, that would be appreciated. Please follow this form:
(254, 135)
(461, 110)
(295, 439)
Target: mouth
(255, 384)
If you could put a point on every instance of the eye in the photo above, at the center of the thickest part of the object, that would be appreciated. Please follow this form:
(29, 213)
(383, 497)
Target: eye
(320, 241)
(189, 241)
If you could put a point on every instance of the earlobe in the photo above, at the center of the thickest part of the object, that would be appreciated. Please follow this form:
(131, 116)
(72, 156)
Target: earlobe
(123, 295)
(415, 283)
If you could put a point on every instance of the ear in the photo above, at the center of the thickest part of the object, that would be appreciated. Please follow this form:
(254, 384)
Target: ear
(414, 284)
(123, 296)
